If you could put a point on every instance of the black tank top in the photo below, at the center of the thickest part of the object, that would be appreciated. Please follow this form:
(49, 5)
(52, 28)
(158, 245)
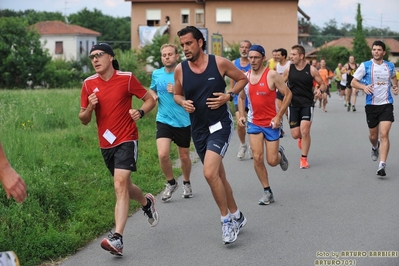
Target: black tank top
(301, 84)
(199, 87)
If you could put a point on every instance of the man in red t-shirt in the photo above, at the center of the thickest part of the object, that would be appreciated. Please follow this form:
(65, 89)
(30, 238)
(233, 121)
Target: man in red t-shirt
(109, 94)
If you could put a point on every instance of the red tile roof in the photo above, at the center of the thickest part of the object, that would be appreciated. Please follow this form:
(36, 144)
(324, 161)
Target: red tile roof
(61, 28)
(347, 42)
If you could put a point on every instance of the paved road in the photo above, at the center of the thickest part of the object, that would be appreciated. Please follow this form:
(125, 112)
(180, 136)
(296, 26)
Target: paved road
(337, 205)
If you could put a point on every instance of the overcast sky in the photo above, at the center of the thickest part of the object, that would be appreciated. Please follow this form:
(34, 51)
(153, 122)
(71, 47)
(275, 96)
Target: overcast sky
(376, 13)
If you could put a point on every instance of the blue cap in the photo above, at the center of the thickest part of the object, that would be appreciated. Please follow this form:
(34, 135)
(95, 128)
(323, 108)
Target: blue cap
(258, 49)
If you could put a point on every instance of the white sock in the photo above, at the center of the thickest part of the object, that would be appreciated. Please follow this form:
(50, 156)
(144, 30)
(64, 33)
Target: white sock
(222, 218)
(236, 215)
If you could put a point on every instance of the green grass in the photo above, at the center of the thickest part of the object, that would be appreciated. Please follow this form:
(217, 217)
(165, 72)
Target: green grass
(70, 191)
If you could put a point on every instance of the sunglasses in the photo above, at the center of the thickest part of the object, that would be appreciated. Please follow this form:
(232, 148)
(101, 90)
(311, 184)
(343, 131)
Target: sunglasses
(97, 55)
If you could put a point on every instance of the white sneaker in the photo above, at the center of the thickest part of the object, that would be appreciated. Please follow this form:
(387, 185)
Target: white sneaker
(242, 150)
(187, 191)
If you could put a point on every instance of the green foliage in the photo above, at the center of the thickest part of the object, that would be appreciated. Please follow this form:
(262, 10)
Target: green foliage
(70, 191)
(151, 54)
(233, 51)
(63, 74)
(114, 31)
(361, 50)
(333, 56)
(21, 56)
(129, 61)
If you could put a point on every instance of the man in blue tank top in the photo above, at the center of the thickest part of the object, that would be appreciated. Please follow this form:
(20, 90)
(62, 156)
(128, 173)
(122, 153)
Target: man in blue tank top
(200, 90)
(377, 78)
(242, 63)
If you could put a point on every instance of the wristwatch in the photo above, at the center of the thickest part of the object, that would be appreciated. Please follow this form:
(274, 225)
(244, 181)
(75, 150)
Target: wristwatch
(141, 113)
(232, 95)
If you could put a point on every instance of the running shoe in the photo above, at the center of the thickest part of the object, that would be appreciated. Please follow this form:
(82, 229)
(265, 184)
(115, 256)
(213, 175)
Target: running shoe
(242, 150)
(353, 108)
(242, 221)
(284, 160)
(229, 231)
(250, 155)
(304, 163)
(300, 144)
(349, 107)
(267, 198)
(375, 152)
(187, 191)
(150, 211)
(381, 170)
(113, 244)
(168, 192)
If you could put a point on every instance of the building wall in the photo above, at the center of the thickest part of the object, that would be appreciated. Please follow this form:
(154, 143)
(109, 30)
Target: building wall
(71, 45)
(272, 24)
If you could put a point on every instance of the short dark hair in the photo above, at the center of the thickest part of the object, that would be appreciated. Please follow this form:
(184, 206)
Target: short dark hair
(283, 52)
(379, 43)
(197, 34)
(299, 48)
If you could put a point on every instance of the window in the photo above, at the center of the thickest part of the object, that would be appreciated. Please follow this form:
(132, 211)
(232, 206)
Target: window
(153, 17)
(199, 16)
(81, 47)
(59, 48)
(185, 16)
(223, 15)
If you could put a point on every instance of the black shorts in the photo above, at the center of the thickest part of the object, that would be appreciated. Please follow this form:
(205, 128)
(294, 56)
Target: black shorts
(123, 156)
(377, 113)
(297, 114)
(180, 135)
(217, 142)
(279, 95)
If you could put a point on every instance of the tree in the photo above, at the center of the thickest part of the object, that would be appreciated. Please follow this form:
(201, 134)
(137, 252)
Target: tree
(333, 55)
(114, 31)
(361, 51)
(21, 56)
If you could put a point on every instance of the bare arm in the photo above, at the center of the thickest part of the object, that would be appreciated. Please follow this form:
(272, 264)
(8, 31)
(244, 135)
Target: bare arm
(277, 82)
(86, 113)
(147, 106)
(316, 76)
(13, 184)
(227, 68)
(241, 108)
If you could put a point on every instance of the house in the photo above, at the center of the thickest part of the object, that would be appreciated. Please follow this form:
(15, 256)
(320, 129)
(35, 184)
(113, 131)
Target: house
(65, 41)
(347, 42)
(272, 24)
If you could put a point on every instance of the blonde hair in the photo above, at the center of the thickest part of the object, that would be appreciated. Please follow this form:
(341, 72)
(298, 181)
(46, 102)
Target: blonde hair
(169, 45)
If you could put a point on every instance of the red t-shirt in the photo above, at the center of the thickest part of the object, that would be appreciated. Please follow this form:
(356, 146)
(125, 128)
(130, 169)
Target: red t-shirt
(114, 102)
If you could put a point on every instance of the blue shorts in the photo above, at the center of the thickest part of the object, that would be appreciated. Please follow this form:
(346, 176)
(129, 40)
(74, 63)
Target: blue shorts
(270, 134)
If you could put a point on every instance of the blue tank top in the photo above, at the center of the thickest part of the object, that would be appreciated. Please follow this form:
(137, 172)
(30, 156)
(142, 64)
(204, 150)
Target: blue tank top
(243, 69)
(199, 87)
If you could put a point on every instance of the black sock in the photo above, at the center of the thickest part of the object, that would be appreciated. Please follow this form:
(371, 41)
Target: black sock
(172, 182)
(267, 189)
(186, 182)
(117, 235)
(148, 204)
(304, 156)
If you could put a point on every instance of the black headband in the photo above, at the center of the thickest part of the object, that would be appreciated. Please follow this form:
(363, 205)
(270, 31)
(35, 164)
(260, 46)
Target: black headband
(103, 47)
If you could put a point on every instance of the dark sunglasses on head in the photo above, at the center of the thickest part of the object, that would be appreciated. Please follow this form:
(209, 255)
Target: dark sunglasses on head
(97, 55)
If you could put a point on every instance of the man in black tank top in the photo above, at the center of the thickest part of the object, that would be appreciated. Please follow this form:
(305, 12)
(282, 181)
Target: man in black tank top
(300, 76)
(351, 94)
(200, 90)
